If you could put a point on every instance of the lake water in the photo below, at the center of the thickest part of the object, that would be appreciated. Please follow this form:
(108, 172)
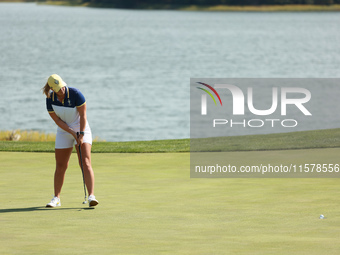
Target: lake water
(134, 66)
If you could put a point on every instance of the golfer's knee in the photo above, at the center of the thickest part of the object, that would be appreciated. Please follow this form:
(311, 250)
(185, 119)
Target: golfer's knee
(87, 163)
(61, 166)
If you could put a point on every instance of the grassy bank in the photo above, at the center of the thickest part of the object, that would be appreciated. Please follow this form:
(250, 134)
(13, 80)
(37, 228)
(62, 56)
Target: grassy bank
(214, 8)
(31, 136)
(264, 8)
(328, 138)
(260, 8)
(26, 136)
(65, 3)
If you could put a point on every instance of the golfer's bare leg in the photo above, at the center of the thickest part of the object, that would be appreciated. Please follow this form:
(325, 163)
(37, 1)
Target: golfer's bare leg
(62, 157)
(88, 172)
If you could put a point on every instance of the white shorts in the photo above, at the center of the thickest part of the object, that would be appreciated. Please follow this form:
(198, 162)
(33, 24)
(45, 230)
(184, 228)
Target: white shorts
(65, 140)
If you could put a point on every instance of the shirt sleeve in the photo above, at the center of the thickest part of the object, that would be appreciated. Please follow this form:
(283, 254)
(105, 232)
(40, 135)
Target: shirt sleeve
(80, 99)
(49, 105)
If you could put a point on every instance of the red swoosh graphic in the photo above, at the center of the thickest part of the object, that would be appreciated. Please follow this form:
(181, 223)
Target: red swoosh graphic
(212, 90)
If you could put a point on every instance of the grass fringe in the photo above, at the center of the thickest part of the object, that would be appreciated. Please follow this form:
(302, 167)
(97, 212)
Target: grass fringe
(327, 138)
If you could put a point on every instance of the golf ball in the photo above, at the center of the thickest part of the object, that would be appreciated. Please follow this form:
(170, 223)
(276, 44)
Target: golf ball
(321, 216)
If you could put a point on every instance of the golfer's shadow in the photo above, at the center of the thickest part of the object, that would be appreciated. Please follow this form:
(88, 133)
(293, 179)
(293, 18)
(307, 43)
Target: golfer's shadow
(41, 208)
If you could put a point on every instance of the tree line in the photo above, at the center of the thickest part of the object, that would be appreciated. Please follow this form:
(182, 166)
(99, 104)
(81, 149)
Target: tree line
(180, 3)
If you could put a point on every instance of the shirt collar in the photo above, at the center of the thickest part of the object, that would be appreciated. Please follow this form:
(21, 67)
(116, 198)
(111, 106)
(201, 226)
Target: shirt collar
(67, 92)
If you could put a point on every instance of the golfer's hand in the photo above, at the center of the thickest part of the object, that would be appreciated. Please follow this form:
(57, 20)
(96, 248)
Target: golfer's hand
(77, 137)
(80, 139)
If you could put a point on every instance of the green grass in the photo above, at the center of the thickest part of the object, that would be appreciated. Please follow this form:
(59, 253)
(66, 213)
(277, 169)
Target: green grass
(328, 138)
(149, 205)
(180, 145)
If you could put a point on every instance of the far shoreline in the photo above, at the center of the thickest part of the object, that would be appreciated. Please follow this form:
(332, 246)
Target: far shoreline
(214, 8)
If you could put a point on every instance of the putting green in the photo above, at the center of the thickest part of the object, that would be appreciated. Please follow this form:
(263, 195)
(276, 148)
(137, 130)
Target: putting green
(149, 205)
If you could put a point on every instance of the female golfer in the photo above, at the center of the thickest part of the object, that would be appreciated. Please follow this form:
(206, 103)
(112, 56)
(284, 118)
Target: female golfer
(67, 107)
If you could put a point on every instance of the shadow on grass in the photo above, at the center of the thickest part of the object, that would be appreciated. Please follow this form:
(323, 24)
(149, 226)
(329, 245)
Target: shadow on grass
(41, 208)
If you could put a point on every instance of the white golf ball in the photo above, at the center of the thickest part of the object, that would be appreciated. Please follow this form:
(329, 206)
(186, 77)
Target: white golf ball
(321, 216)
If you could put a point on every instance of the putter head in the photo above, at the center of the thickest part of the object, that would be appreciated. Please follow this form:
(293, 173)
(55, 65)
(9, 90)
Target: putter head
(85, 202)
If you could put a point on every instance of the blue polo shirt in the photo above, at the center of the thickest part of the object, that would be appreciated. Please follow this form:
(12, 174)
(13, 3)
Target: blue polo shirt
(67, 109)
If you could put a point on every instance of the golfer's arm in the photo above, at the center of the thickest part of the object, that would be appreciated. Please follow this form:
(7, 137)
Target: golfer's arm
(62, 124)
(82, 115)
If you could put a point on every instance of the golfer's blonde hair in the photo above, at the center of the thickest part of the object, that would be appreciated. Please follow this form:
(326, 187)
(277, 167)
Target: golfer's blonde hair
(46, 90)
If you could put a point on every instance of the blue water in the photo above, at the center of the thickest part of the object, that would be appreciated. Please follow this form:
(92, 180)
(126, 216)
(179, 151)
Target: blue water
(134, 66)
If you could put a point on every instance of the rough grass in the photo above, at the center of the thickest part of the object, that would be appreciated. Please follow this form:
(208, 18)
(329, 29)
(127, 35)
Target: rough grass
(30, 136)
(26, 135)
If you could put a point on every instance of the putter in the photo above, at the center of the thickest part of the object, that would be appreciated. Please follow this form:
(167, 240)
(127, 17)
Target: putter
(82, 171)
